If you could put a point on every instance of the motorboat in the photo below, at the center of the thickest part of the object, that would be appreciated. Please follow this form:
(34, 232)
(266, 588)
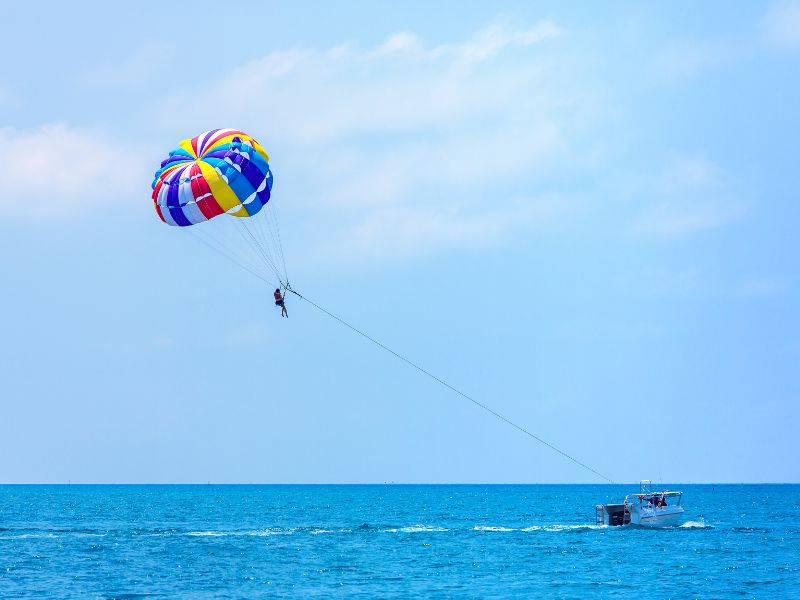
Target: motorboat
(645, 508)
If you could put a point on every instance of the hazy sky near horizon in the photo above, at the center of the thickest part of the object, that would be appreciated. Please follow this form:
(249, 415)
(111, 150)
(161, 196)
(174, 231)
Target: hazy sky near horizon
(584, 216)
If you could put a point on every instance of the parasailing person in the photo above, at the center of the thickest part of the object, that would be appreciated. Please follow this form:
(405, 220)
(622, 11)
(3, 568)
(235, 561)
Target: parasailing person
(280, 301)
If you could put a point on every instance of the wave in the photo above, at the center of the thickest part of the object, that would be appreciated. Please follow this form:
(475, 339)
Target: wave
(269, 532)
(551, 528)
(50, 535)
(251, 533)
(562, 527)
(671, 527)
(695, 525)
(417, 529)
(25, 536)
(364, 528)
(751, 530)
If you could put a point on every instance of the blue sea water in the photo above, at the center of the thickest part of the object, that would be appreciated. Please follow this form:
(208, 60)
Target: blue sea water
(387, 541)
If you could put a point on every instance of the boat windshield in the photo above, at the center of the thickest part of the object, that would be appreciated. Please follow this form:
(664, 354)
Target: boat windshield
(657, 499)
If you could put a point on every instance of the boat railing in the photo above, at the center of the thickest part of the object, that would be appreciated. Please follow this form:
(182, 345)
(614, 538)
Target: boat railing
(630, 498)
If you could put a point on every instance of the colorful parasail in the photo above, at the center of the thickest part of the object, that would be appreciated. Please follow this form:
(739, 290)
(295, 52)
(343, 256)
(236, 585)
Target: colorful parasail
(222, 171)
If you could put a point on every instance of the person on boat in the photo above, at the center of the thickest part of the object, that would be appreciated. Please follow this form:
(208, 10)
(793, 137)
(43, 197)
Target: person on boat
(279, 301)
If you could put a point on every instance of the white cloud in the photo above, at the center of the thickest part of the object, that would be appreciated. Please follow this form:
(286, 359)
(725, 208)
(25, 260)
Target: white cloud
(680, 217)
(486, 44)
(782, 23)
(495, 38)
(404, 147)
(764, 286)
(56, 170)
(245, 335)
(134, 71)
(686, 199)
(691, 173)
(400, 86)
(6, 97)
(399, 232)
(163, 342)
(687, 58)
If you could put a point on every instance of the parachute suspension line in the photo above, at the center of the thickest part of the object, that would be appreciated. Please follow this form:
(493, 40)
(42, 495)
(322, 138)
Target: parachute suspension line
(267, 253)
(274, 211)
(264, 233)
(268, 238)
(209, 239)
(274, 221)
(260, 249)
(253, 241)
(450, 387)
(231, 258)
(254, 252)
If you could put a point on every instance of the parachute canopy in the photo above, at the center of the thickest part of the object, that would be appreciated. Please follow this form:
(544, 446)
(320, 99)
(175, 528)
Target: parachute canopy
(222, 171)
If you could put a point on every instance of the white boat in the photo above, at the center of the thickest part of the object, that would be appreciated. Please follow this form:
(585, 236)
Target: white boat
(645, 508)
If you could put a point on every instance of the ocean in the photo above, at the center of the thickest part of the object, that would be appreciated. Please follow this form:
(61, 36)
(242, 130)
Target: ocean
(391, 541)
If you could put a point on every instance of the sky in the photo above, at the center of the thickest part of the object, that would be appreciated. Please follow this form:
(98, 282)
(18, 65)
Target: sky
(583, 216)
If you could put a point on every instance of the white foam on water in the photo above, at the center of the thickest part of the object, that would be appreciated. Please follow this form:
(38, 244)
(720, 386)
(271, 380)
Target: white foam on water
(251, 533)
(490, 528)
(319, 531)
(417, 529)
(269, 532)
(559, 527)
(695, 525)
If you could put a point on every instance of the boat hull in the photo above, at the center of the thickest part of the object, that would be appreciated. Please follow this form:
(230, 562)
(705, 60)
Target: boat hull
(656, 517)
(647, 508)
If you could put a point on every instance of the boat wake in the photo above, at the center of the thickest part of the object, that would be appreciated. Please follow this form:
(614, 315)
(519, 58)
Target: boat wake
(558, 527)
(668, 527)
(417, 528)
(250, 533)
